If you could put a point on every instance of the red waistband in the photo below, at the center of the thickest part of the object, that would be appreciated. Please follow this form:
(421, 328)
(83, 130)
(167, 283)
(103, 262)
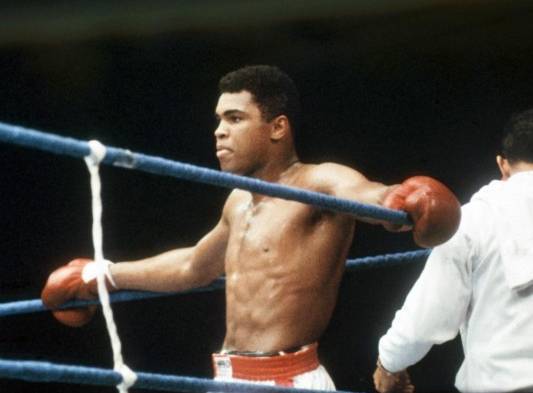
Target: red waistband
(280, 368)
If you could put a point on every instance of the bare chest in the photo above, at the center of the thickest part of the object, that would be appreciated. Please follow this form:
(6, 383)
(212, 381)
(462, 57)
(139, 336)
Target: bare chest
(267, 229)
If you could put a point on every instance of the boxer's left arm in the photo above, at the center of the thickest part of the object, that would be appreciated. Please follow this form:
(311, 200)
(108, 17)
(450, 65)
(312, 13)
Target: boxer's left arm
(433, 208)
(344, 182)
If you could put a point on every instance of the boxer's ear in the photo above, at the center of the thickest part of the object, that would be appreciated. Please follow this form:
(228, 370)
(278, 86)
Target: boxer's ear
(280, 128)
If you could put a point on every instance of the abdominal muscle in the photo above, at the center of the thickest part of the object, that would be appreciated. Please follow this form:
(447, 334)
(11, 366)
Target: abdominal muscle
(282, 276)
(280, 322)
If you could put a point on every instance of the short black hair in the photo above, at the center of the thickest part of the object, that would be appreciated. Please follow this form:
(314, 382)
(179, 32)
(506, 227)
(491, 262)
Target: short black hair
(273, 90)
(517, 141)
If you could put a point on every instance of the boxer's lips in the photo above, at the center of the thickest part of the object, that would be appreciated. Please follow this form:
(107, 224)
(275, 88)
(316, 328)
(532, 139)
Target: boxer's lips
(223, 151)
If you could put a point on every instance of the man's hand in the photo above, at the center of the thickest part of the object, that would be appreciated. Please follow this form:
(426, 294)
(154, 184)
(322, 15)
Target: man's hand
(387, 382)
(76, 280)
(433, 208)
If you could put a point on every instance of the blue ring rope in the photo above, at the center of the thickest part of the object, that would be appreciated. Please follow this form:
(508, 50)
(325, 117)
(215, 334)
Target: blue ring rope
(43, 371)
(36, 305)
(387, 260)
(124, 158)
(34, 371)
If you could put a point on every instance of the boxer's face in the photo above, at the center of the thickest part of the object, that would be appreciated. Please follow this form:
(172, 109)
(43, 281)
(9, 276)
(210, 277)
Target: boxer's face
(242, 136)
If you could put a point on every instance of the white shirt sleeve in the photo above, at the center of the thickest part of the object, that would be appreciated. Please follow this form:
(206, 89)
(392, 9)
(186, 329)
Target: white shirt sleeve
(436, 306)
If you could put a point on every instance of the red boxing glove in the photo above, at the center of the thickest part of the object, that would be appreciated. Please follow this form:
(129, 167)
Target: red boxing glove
(76, 280)
(433, 208)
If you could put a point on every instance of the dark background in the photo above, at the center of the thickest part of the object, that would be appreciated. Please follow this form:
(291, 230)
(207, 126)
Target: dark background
(391, 88)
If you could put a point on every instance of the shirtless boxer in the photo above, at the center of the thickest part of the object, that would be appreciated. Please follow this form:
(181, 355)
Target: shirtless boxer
(283, 260)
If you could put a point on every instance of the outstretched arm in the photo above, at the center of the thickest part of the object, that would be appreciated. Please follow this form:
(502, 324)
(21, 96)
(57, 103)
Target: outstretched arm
(347, 183)
(174, 270)
(178, 269)
(432, 207)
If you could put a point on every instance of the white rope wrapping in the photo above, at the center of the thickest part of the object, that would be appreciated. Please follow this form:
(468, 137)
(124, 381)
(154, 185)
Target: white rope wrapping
(101, 266)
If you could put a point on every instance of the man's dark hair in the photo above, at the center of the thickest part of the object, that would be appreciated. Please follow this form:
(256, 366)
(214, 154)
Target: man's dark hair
(517, 142)
(273, 90)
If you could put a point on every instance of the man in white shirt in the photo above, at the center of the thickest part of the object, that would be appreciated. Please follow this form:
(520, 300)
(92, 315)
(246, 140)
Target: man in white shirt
(479, 283)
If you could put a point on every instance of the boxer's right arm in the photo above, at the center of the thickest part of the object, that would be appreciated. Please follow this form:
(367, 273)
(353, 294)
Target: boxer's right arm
(179, 269)
(174, 270)
(182, 268)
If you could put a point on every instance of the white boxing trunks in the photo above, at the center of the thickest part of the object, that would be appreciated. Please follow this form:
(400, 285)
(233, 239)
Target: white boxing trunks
(299, 369)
